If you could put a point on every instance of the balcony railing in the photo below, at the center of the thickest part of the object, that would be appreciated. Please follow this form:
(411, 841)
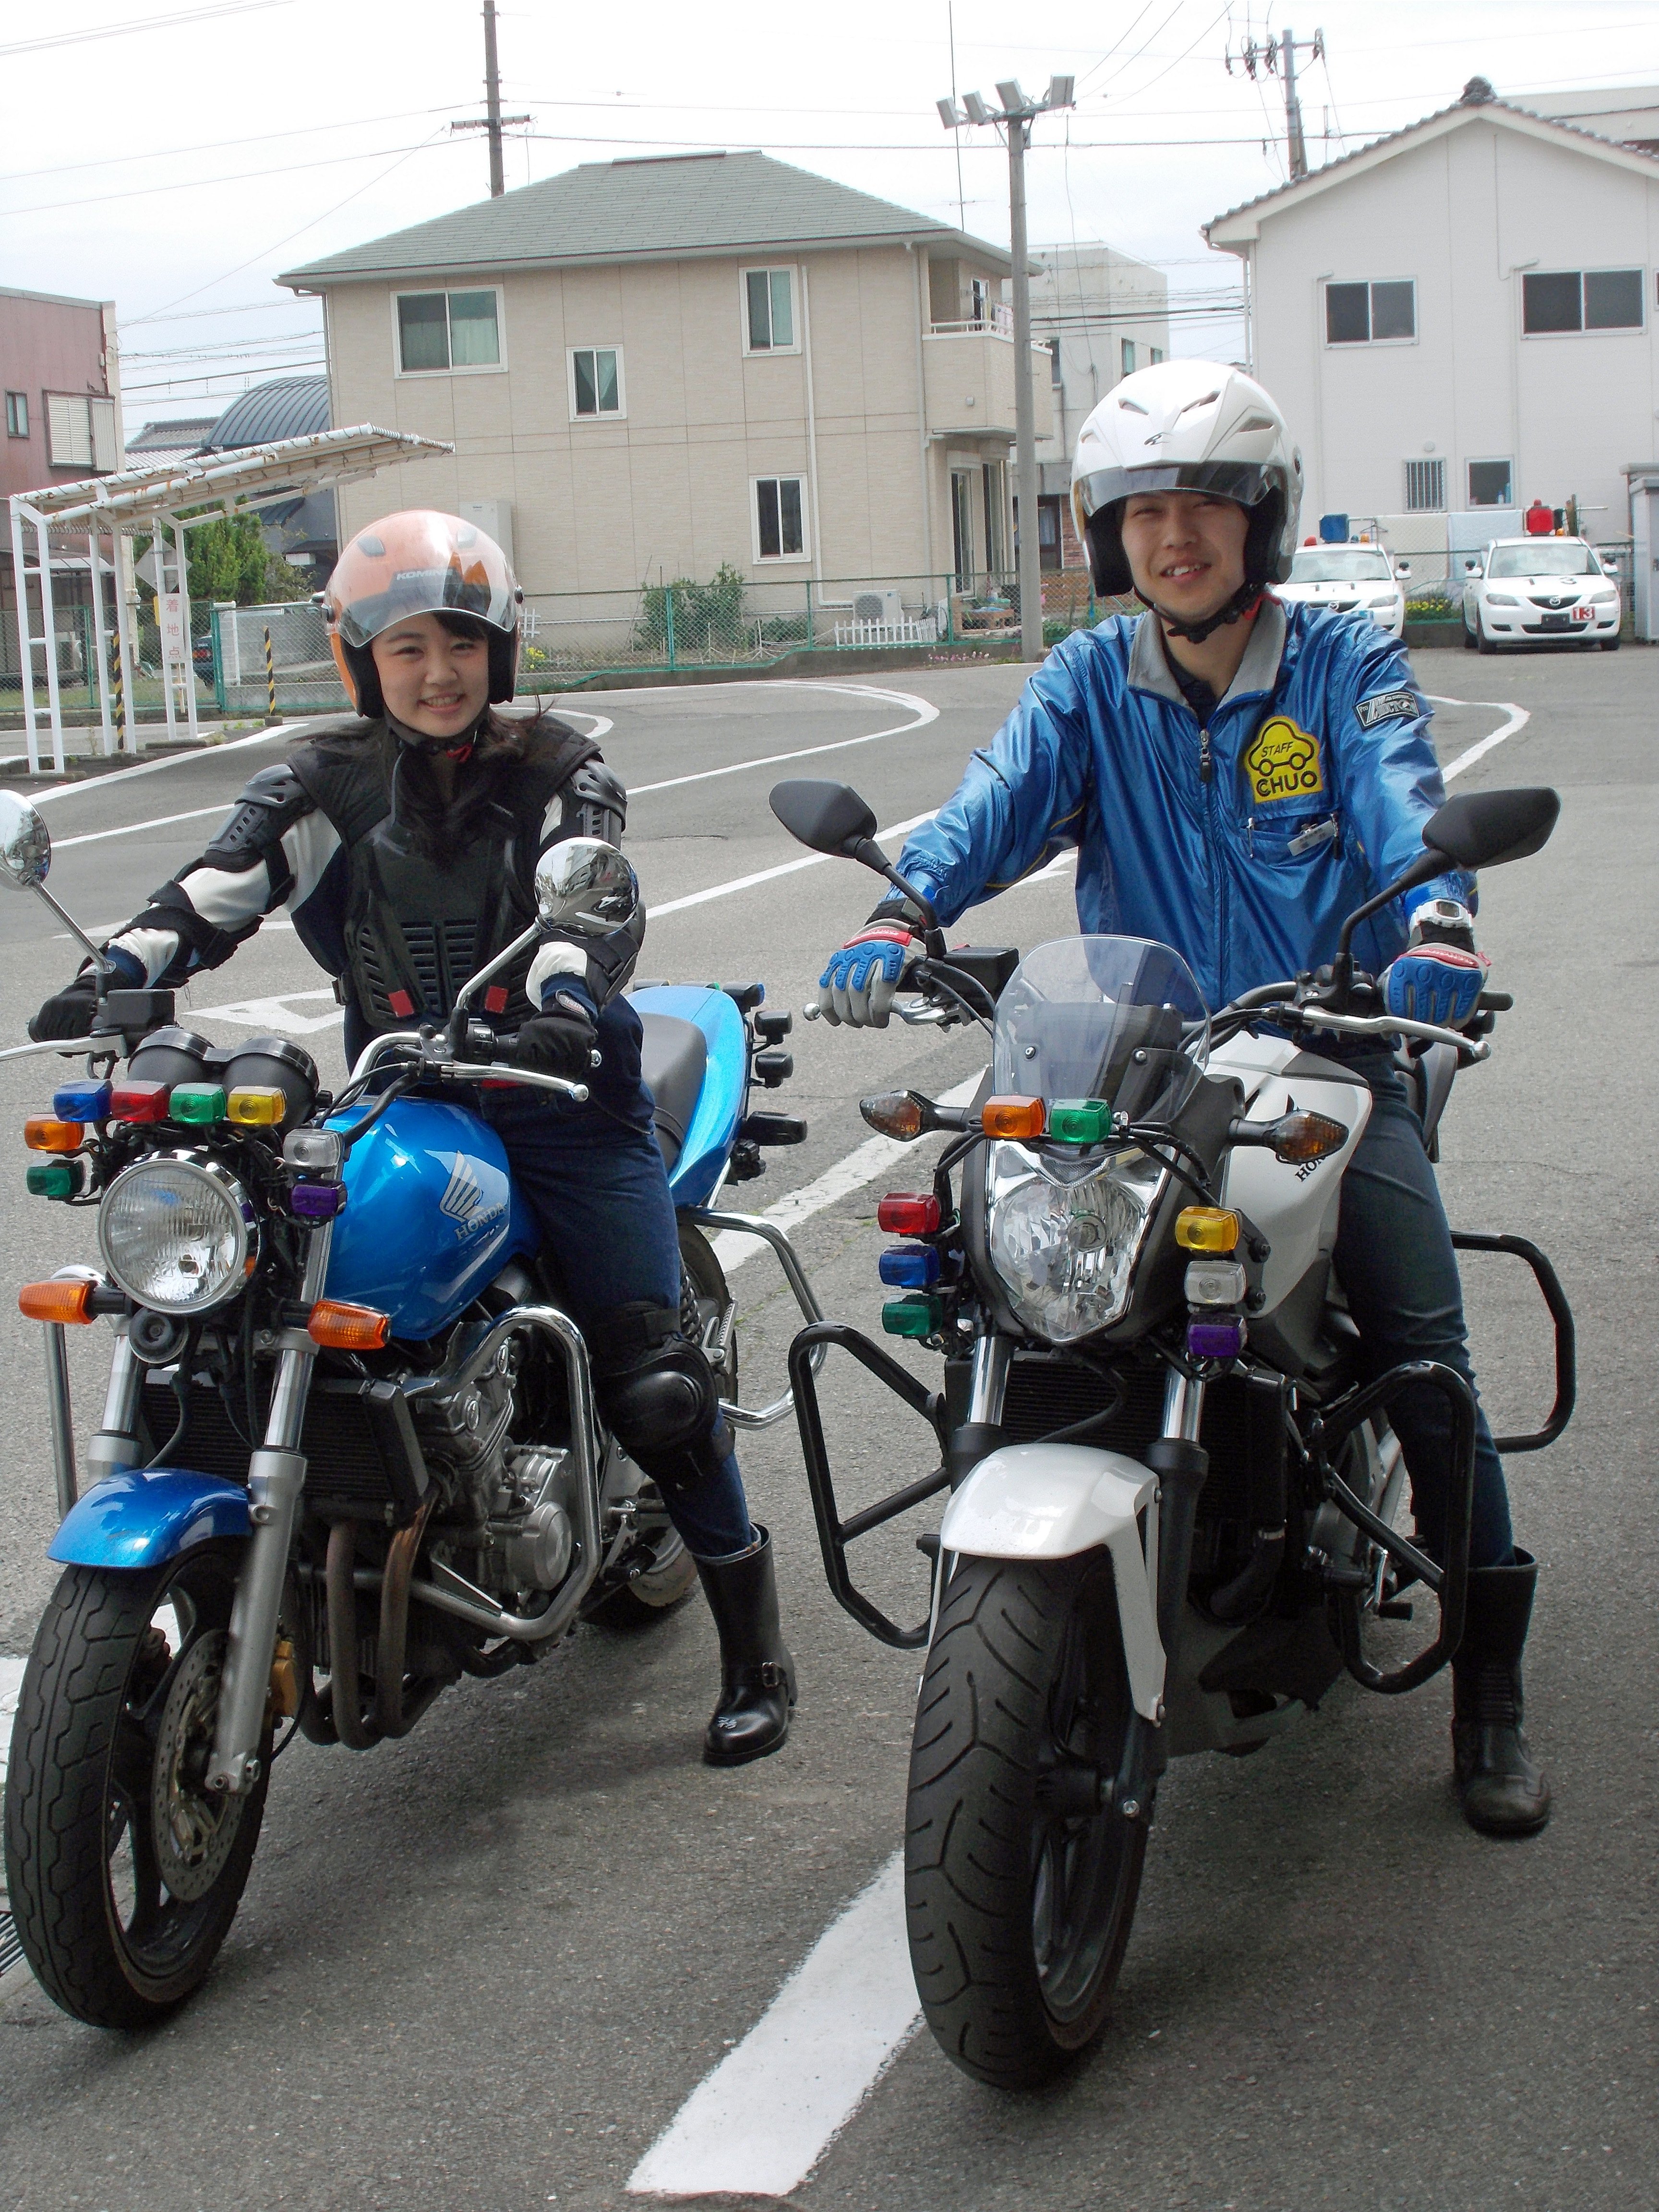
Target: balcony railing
(998, 321)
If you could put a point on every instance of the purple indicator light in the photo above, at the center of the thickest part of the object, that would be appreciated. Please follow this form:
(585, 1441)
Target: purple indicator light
(909, 1267)
(1215, 1339)
(316, 1201)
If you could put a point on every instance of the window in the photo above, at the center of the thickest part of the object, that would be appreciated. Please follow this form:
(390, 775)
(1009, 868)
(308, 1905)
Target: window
(17, 414)
(596, 381)
(1488, 483)
(81, 431)
(1156, 353)
(1544, 557)
(1575, 300)
(1426, 487)
(780, 526)
(1126, 356)
(438, 332)
(1339, 564)
(1054, 376)
(1050, 551)
(771, 309)
(1370, 314)
(980, 292)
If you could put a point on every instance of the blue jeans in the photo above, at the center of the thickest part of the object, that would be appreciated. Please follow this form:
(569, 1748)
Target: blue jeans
(1394, 1258)
(595, 1182)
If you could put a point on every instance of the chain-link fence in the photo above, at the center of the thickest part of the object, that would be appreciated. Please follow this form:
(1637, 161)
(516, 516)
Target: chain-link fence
(78, 676)
(274, 659)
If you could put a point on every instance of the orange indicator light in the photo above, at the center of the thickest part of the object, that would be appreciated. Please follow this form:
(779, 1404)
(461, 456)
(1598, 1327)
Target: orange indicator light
(59, 1301)
(43, 1134)
(1016, 1119)
(347, 1328)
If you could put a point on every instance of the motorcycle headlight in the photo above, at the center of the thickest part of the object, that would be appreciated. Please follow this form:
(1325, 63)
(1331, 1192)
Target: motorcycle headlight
(1066, 1251)
(177, 1234)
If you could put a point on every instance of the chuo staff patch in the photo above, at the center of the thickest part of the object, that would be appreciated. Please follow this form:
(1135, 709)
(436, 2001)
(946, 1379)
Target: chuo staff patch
(1283, 761)
(1386, 707)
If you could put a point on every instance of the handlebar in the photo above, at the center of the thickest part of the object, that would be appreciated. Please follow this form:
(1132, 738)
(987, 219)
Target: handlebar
(442, 1070)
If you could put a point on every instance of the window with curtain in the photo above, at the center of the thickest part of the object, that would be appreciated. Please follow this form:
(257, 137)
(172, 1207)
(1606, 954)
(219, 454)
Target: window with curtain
(442, 331)
(596, 380)
(771, 307)
(779, 517)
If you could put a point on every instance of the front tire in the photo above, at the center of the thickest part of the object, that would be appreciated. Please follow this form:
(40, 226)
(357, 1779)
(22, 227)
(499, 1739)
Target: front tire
(1483, 643)
(125, 1874)
(1019, 1905)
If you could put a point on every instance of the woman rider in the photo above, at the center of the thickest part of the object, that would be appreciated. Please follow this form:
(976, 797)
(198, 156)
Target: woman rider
(403, 843)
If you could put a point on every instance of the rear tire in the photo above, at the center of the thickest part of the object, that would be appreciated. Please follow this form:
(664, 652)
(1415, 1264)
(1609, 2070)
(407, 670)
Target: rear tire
(124, 1874)
(1019, 1912)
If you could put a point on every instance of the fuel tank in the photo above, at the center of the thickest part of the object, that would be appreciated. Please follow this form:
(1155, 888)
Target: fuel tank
(431, 1215)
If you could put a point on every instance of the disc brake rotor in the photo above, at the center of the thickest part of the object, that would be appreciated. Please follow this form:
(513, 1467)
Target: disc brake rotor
(193, 1832)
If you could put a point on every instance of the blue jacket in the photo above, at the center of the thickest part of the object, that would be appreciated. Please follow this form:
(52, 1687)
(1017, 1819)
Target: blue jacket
(1242, 845)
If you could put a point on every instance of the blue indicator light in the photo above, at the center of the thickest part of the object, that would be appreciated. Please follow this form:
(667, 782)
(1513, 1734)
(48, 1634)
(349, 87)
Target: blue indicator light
(909, 1267)
(82, 1101)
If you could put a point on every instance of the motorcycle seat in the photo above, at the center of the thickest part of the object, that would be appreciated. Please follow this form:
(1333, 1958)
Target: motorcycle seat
(673, 1056)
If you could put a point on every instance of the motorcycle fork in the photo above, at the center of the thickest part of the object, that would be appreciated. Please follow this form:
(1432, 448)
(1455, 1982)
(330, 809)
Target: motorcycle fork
(276, 1478)
(1180, 1463)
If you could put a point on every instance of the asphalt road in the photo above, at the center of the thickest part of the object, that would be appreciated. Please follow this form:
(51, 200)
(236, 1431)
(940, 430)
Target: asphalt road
(485, 1967)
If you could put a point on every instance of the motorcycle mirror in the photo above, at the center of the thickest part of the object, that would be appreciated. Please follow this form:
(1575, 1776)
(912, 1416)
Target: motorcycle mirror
(830, 818)
(1482, 829)
(585, 885)
(25, 843)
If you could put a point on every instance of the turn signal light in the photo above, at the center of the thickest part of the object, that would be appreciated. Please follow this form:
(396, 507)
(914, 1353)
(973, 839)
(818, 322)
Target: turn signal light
(1208, 1229)
(58, 1302)
(42, 1134)
(895, 1113)
(256, 1108)
(1016, 1119)
(139, 1102)
(346, 1328)
(908, 1213)
(1300, 1137)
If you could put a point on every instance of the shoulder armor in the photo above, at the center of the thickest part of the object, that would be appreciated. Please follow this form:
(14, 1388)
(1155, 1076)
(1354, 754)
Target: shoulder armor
(269, 805)
(595, 803)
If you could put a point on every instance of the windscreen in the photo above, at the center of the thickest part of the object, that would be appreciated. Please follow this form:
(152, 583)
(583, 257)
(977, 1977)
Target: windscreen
(1308, 565)
(1543, 559)
(1117, 1018)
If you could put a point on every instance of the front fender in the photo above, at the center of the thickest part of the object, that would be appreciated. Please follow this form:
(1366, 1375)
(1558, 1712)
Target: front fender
(1055, 1501)
(140, 1519)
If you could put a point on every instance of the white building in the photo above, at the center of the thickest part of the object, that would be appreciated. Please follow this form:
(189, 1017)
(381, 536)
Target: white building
(1103, 315)
(1460, 316)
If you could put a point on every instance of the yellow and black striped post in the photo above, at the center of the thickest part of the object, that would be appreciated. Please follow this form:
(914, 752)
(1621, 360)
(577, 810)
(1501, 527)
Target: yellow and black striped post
(270, 678)
(121, 695)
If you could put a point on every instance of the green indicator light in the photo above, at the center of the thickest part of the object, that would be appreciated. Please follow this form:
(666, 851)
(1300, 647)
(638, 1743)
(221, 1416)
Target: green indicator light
(196, 1104)
(52, 1179)
(916, 1314)
(1080, 1120)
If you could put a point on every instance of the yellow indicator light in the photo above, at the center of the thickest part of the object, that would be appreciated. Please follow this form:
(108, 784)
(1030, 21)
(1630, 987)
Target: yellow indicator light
(43, 1134)
(1208, 1229)
(256, 1108)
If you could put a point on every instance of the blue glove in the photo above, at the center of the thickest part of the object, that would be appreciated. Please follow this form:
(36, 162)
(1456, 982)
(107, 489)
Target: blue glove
(858, 986)
(1437, 983)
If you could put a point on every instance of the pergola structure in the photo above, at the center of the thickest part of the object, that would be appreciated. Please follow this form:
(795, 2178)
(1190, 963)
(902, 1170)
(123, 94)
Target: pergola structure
(163, 500)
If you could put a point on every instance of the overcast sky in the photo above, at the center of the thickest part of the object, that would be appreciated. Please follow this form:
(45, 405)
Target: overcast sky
(178, 167)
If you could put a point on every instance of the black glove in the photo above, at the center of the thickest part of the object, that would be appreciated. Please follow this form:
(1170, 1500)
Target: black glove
(559, 1041)
(68, 1013)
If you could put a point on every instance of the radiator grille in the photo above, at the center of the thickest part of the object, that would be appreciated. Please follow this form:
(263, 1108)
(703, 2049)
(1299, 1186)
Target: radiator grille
(1047, 1392)
(348, 1464)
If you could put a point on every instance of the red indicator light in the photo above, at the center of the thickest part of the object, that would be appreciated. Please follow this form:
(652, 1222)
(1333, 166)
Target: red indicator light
(908, 1213)
(495, 998)
(139, 1102)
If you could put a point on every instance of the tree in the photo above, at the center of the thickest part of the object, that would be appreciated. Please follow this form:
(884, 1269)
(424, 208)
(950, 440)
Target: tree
(228, 559)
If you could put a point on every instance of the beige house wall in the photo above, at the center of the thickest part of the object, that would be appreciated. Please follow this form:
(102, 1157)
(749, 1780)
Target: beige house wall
(600, 506)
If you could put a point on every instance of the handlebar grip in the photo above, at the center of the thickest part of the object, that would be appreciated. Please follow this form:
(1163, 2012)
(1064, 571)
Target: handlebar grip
(1495, 1002)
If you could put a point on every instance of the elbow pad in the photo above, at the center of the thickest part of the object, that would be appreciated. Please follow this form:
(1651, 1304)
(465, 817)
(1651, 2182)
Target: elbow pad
(595, 803)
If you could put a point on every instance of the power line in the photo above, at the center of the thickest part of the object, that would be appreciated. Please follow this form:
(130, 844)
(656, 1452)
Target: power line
(141, 23)
(235, 177)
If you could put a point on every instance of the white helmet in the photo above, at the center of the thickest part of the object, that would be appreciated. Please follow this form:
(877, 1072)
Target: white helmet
(1189, 426)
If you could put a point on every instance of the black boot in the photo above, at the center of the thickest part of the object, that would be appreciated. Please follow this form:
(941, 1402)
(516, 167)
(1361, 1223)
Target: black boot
(757, 1675)
(1503, 1792)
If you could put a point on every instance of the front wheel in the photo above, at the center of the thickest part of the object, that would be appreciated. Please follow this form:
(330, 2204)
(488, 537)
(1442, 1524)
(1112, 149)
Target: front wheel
(1483, 643)
(1019, 1893)
(125, 1872)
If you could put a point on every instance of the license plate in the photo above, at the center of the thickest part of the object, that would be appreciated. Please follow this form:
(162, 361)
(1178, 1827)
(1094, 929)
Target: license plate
(1556, 622)
(1580, 614)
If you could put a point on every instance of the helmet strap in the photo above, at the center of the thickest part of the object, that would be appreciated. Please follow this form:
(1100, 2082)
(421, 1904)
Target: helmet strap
(458, 750)
(1242, 605)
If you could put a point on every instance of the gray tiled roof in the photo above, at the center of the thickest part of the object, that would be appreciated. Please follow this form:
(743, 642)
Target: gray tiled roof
(644, 210)
(286, 407)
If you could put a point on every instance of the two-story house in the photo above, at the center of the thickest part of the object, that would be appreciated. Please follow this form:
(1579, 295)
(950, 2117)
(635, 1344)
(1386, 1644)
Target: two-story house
(1461, 316)
(649, 368)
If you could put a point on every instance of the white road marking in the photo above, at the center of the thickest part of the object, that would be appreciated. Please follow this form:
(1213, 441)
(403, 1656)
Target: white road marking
(1518, 718)
(770, 875)
(925, 712)
(133, 828)
(759, 2123)
(276, 1013)
(872, 1157)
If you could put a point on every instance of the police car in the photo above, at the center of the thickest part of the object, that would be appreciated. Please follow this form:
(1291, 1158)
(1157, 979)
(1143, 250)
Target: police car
(1349, 578)
(1539, 591)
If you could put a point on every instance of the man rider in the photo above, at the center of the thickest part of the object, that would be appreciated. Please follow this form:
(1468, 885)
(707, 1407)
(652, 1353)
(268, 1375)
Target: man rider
(403, 843)
(1237, 775)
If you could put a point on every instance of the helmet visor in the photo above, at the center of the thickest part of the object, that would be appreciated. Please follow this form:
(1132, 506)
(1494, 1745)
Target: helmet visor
(420, 563)
(1247, 483)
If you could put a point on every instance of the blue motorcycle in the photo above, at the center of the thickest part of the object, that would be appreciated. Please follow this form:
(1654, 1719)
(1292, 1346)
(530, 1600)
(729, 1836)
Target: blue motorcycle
(350, 1451)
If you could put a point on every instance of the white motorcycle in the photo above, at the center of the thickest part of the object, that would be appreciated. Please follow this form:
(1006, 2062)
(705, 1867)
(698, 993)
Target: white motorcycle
(1173, 1506)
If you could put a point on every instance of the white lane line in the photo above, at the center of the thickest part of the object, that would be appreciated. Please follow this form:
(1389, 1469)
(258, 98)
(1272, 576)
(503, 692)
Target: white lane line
(133, 828)
(925, 712)
(275, 1013)
(872, 1157)
(770, 875)
(1518, 718)
(93, 783)
(759, 2123)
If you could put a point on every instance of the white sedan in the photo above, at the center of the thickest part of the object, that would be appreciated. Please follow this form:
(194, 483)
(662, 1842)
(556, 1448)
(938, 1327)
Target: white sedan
(1347, 579)
(1539, 591)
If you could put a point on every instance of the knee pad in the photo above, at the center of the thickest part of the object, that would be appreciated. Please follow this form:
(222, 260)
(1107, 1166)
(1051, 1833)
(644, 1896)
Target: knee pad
(659, 1396)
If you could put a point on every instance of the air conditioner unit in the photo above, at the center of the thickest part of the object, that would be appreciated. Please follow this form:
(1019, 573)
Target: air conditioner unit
(884, 606)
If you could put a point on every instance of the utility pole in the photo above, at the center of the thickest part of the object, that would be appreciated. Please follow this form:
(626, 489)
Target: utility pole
(493, 121)
(1017, 115)
(1278, 58)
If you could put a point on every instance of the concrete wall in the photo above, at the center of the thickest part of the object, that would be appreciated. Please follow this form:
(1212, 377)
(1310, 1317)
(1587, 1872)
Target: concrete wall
(601, 505)
(1462, 216)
